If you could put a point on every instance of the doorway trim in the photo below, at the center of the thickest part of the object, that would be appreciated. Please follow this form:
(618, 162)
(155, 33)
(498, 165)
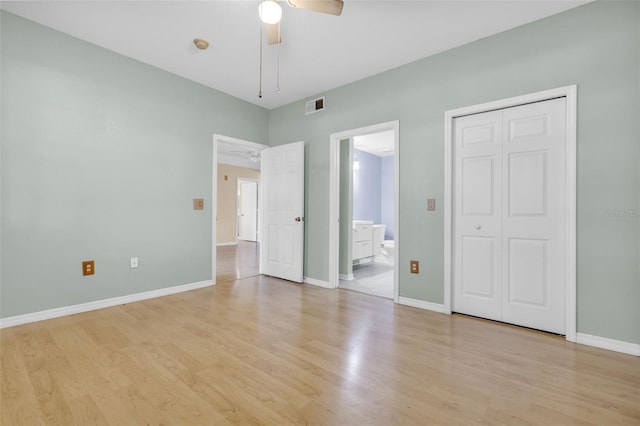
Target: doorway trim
(334, 198)
(214, 191)
(568, 92)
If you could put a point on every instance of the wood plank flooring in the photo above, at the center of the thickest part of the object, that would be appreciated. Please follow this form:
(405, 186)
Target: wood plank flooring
(268, 352)
(237, 261)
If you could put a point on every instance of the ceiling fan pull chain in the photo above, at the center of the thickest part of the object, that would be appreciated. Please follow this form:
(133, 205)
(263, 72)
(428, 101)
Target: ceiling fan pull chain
(278, 64)
(260, 90)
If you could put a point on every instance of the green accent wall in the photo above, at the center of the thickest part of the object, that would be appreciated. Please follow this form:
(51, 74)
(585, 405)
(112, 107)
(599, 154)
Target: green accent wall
(596, 47)
(101, 157)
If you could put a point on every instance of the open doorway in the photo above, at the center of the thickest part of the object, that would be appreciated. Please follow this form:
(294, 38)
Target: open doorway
(236, 192)
(364, 210)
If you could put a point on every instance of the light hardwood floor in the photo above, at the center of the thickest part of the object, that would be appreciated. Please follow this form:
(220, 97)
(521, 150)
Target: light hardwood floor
(237, 261)
(263, 351)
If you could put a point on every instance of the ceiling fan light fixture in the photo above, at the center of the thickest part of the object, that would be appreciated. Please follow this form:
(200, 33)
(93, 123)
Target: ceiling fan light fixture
(270, 12)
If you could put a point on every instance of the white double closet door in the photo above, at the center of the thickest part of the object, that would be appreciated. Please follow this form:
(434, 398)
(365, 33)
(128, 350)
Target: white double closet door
(509, 215)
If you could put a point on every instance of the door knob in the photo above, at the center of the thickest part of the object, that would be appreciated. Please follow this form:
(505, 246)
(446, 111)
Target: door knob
(478, 227)
(299, 219)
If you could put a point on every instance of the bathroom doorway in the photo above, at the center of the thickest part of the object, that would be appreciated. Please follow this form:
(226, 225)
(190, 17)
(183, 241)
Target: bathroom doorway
(364, 203)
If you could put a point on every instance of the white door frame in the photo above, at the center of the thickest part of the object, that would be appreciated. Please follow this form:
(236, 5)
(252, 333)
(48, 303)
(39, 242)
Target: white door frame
(214, 191)
(334, 198)
(239, 180)
(570, 93)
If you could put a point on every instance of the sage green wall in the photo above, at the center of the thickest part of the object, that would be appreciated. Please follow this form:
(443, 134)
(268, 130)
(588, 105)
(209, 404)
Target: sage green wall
(346, 207)
(595, 46)
(101, 157)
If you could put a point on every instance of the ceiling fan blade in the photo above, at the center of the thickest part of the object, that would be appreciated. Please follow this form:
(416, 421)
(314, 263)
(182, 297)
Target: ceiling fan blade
(332, 7)
(273, 34)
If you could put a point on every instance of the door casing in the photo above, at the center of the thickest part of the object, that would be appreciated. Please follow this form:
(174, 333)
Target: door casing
(568, 92)
(214, 190)
(334, 198)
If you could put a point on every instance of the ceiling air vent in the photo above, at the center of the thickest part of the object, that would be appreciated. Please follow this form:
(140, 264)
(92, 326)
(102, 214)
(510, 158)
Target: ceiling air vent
(315, 105)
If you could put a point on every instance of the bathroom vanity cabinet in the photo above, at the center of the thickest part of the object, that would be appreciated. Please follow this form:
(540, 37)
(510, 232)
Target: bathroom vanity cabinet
(362, 240)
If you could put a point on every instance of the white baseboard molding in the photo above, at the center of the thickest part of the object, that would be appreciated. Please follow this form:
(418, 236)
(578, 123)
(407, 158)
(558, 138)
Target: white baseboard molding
(610, 344)
(227, 244)
(99, 304)
(415, 303)
(347, 277)
(319, 283)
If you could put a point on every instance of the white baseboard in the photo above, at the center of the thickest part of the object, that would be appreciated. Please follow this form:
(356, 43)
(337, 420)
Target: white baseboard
(319, 283)
(99, 304)
(610, 344)
(227, 244)
(415, 303)
(347, 277)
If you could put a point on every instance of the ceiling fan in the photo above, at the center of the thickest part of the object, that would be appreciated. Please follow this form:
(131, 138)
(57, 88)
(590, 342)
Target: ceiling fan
(270, 13)
(253, 155)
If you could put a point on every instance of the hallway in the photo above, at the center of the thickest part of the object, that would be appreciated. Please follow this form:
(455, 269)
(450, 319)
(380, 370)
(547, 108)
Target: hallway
(239, 261)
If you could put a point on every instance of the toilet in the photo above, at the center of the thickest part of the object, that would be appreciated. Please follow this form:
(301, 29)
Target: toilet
(388, 249)
(383, 250)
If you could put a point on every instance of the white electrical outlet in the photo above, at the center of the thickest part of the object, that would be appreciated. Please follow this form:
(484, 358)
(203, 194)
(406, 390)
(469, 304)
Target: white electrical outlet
(134, 262)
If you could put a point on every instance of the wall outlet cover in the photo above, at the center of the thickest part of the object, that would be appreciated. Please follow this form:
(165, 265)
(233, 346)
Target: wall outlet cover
(88, 267)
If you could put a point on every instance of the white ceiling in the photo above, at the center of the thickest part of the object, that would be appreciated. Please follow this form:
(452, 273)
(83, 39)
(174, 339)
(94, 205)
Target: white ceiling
(239, 153)
(319, 52)
(380, 144)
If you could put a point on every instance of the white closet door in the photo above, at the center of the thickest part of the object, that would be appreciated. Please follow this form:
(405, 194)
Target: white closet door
(478, 215)
(509, 206)
(533, 229)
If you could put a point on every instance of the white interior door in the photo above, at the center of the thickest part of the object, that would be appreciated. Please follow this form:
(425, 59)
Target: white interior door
(478, 215)
(509, 226)
(533, 234)
(283, 211)
(247, 210)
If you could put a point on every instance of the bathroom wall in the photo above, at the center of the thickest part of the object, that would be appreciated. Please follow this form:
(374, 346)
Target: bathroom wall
(373, 190)
(366, 187)
(387, 188)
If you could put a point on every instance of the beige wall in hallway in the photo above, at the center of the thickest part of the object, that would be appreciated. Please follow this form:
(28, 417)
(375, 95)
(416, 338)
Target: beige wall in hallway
(228, 200)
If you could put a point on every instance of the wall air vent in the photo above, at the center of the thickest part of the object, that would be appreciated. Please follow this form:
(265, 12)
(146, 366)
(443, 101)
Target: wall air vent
(315, 105)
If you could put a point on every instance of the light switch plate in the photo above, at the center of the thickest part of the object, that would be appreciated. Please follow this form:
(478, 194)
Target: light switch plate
(414, 266)
(134, 262)
(431, 204)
